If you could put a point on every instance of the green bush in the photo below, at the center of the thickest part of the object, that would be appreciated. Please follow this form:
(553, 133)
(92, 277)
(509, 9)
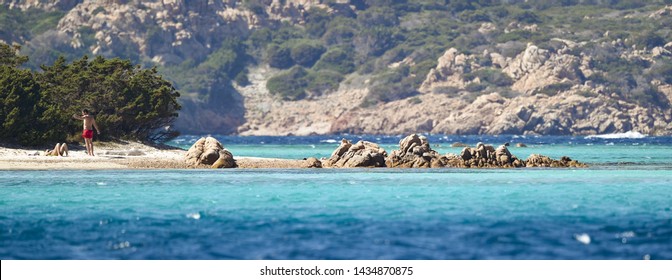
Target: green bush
(393, 85)
(528, 17)
(378, 17)
(297, 83)
(129, 102)
(648, 40)
(19, 109)
(242, 79)
(279, 56)
(290, 84)
(338, 60)
(317, 21)
(17, 25)
(306, 53)
(320, 82)
(375, 41)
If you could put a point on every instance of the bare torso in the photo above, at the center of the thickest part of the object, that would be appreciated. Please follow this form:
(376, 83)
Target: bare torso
(88, 122)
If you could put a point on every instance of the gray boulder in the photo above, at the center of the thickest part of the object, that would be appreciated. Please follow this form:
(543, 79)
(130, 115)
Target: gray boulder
(225, 160)
(209, 151)
(415, 152)
(360, 154)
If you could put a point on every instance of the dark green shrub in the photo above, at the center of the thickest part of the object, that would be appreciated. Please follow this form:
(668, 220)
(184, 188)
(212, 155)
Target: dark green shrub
(279, 56)
(306, 53)
(375, 41)
(290, 84)
(378, 17)
(258, 7)
(320, 82)
(316, 22)
(129, 102)
(393, 85)
(336, 59)
(528, 17)
(242, 79)
(648, 40)
(19, 110)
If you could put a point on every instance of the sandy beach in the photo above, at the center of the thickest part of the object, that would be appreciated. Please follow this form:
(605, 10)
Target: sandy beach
(119, 155)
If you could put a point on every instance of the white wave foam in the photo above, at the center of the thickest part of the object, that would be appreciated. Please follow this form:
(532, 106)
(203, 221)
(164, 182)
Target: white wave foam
(329, 141)
(625, 135)
(583, 238)
(194, 216)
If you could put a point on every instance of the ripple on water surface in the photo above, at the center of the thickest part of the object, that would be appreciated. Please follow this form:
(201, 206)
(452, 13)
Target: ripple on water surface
(337, 214)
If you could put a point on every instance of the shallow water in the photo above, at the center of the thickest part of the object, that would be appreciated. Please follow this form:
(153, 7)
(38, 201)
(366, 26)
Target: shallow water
(620, 208)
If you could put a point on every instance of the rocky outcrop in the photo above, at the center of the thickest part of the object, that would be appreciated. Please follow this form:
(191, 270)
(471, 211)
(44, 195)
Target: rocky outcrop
(535, 160)
(225, 160)
(312, 162)
(537, 68)
(415, 152)
(172, 30)
(360, 154)
(207, 151)
(165, 32)
(449, 71)
(487, 156)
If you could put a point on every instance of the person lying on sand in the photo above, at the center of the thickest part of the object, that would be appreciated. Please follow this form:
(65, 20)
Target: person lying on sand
(59, 150)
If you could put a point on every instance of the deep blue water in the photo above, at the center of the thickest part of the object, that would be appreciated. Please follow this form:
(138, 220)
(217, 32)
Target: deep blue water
(618, 209)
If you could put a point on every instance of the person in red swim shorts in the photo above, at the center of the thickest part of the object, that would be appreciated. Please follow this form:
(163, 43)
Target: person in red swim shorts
(87, 133)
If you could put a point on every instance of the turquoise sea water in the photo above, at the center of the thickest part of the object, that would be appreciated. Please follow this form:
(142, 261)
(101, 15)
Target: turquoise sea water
(620, 208)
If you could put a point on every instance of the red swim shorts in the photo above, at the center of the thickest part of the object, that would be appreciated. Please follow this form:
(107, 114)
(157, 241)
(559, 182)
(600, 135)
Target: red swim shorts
(87, 133)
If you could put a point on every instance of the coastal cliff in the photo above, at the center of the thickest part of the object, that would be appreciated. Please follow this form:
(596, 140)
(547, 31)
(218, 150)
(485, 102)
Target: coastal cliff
(364, 67)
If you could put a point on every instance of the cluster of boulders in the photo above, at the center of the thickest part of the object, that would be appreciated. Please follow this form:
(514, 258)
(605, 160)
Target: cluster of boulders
(360, 154)
(207, 151)
(487, 156)
(416, 152)
(543, 161)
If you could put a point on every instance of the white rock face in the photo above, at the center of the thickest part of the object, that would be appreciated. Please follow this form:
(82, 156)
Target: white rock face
(537, 68)
(449, 71)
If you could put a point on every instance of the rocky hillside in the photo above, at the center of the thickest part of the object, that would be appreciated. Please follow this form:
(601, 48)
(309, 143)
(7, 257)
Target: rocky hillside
(271, 67)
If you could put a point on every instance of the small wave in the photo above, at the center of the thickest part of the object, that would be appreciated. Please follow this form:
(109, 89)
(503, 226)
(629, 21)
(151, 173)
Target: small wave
(195, 216)
(583, 238)
(625, 135)
(121, 245)
(329, 141)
